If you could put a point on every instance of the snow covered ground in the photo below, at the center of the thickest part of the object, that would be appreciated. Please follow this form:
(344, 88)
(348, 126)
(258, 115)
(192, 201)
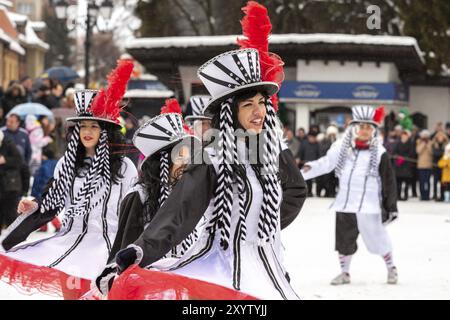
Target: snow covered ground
(421, 240)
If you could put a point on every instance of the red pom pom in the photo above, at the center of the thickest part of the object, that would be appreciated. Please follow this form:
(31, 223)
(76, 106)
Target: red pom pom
(106, 103)
(256, 27)
(172, 106)
(379, 115)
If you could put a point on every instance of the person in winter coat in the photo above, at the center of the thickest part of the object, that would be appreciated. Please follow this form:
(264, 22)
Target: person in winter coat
(444, 164)
(424, 150)
(37, 140)
(440, 140)
(20, 138)
(309, 151)
(403, 156)
(327, 181)
(14, 95)
(41, 179)
(10, 180)
(367, 196)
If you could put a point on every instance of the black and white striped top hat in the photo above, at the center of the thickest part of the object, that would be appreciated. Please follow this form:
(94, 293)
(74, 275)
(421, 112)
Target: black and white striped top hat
(160, 132)
(364, 114)
(232, 72)
(83, 101)
(198, 104)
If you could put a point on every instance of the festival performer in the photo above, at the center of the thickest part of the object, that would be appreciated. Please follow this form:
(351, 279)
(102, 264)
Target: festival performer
(247, 193)
(89, 182)
(367, 196)
(199, 121)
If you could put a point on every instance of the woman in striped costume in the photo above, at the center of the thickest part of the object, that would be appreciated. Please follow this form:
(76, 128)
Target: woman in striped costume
(89, 183)
(246, 192)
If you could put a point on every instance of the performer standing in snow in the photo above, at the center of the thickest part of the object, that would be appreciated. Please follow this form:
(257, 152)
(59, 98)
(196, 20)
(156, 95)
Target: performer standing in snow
(199, 121)
(89, 184)
(367, 196)
(245, 203)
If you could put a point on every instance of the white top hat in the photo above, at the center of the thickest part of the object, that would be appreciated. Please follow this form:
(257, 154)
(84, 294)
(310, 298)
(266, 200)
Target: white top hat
(364, 114)
(232, 72)
(160, 132)
(83, 100)
(198, 104)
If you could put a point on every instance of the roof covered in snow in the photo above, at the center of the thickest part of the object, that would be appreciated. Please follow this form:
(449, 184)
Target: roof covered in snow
(29, 38)
(140, 93)
(364, 39)
(162, 55)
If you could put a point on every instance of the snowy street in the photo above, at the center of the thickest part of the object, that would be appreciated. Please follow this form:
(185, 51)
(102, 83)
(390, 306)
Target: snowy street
(421, 240)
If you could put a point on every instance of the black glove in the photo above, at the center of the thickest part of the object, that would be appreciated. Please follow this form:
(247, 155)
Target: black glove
(128, 256)
(390, 218)
(105, 280)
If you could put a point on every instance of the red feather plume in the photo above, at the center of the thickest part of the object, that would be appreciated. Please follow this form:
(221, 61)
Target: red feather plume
(106, 103)
(379, 114)
(173, 106)
(256, 27)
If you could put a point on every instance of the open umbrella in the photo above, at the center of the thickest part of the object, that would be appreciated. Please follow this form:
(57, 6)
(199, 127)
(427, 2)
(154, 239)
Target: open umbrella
(61, 73)
(27, 108)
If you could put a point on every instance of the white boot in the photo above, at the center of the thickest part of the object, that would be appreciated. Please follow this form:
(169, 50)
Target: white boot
(392, 276)
(343, 278)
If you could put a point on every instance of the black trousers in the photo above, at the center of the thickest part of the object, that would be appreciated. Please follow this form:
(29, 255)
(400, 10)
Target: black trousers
(407, 182)
(346, 233)
(8, 207)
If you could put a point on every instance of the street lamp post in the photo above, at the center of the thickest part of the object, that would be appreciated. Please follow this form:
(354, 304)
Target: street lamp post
(105, 9)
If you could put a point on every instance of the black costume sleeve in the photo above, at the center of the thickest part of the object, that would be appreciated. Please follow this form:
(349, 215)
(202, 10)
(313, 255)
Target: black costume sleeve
(131, 223)
(179, 214)
(388, 184)
(25, 224)
(294, 188)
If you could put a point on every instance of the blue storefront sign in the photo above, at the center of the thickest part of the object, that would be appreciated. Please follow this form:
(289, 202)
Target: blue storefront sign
(298, 91)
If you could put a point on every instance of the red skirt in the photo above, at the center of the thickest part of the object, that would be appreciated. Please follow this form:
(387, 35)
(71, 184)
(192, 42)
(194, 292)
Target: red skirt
(142, 284)
(30, 279)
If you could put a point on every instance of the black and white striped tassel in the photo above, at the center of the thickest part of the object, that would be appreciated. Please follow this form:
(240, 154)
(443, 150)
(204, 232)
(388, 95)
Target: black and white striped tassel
(223, 198)
(269, 216)
(164, 177)
(57, 193)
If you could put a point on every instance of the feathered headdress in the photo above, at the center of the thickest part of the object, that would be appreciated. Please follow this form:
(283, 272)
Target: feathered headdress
(106, 104)
(173, 106)
(256, 28)
(379, 114)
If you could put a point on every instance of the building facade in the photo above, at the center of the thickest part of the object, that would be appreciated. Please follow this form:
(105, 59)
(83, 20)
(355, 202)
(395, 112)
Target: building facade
(325, 74)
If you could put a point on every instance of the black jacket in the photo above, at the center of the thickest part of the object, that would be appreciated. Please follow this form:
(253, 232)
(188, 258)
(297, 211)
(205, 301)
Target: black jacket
(10, 177)
(406, 150)
(190, 198)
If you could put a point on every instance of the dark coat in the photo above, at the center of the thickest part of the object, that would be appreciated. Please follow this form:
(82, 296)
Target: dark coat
(405, 168)
(10, 177)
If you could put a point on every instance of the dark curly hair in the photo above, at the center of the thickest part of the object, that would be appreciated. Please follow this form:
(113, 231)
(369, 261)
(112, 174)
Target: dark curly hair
(149, 178)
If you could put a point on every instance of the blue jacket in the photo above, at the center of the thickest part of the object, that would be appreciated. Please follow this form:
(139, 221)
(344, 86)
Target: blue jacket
(42, 177)
(21, 140)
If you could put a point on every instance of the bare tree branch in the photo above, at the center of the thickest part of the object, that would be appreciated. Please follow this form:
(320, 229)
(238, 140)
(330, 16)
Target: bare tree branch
(188, 16)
